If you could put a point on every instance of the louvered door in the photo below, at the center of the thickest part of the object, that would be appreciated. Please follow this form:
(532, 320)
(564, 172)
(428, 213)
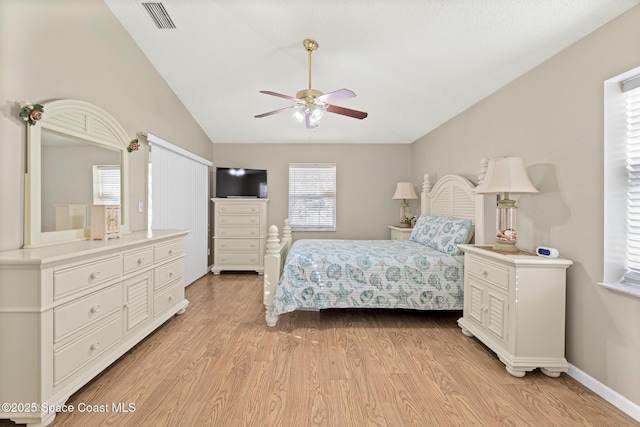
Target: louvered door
(138, 300)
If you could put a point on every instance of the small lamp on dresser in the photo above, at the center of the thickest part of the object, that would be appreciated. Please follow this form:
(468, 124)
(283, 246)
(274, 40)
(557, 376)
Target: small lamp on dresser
(506, 175)
(404, 191)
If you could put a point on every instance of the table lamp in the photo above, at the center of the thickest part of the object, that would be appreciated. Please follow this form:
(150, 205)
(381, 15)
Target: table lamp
(404, 191)
(506, 175)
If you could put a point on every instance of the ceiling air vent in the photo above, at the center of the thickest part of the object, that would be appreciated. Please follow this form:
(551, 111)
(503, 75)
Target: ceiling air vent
(159, 14)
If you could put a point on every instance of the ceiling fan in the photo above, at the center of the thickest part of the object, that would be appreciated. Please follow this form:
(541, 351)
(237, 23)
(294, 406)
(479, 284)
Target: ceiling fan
(310, 104)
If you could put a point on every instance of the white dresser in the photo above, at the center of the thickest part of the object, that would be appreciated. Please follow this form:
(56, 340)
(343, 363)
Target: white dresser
(239, 234)
(68, 311)
(515, 304)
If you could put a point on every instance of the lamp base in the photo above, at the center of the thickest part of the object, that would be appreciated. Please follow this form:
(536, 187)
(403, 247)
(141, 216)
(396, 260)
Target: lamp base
(506, 246)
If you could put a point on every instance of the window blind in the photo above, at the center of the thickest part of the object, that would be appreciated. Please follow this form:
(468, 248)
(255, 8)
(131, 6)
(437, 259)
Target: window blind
(312, 196)
(632, 266)
(106, 184)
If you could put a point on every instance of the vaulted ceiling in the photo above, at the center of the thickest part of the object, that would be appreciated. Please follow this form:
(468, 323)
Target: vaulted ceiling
(413, 64)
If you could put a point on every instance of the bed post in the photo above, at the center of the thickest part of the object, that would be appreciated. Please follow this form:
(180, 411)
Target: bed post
(485, 211)
(272, 263)
(427, 185)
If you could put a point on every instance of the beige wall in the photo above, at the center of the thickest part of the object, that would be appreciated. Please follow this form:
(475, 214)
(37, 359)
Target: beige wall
(553, 118)
(366, 180)
(78, 49)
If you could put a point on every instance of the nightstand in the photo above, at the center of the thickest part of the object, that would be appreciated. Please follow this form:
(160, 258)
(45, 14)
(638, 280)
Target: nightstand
(515, 304)
(400, 233)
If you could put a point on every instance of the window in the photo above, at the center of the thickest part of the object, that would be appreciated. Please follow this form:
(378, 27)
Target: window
(106, 184)
(312, 196)
(622, 183)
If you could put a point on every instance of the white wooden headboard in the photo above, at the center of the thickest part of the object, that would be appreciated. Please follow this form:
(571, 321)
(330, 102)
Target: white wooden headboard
(455, 196)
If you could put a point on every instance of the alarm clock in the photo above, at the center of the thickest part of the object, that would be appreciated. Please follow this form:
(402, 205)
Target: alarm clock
(547, 252)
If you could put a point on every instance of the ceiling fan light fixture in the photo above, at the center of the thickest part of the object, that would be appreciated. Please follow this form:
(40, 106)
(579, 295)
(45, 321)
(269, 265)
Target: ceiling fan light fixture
(298, 114)
(315, 114)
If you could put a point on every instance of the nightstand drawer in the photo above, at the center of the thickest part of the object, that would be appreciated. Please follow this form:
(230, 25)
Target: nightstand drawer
(492, 272)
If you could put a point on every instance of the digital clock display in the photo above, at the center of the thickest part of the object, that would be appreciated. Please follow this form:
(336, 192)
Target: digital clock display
(543, 251)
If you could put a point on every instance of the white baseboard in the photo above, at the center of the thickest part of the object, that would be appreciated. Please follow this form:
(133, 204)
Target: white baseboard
(611, 396)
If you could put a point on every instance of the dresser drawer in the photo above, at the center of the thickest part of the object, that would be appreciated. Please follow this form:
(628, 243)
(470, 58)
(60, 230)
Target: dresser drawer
(71, 357)
(168, 273)
(492, 272)
(239, 220)
(168, 297)
(136, 260)
(238, 232)
(239, 258)
(238, 244)
(238, 208)
(168, 250)
(67, 280)
(74, 315)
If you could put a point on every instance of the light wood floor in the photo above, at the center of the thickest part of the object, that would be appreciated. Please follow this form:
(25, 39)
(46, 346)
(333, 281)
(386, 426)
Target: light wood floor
(220, 365)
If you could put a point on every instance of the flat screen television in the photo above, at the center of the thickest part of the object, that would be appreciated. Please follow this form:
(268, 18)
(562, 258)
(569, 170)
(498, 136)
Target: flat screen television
(240, 182)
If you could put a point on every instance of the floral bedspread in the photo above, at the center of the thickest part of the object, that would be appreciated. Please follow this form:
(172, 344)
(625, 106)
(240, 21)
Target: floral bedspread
(323, 273)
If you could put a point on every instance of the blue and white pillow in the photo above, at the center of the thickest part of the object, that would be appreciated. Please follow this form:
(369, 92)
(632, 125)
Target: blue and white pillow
(442, 233)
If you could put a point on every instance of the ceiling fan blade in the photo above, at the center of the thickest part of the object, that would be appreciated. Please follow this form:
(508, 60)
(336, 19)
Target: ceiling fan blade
(274, 112)
(279, 95)
(347, 112)
(337, 95)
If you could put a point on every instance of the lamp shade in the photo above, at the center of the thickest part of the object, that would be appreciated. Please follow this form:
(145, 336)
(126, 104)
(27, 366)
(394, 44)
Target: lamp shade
(404, 190)
(506, 175)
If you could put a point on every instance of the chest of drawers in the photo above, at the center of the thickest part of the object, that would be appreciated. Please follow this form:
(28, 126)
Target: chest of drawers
(69, 311)
(239, 234)
(515, 305)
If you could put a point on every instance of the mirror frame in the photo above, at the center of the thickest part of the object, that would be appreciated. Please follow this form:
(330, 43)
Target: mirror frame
(79, 120)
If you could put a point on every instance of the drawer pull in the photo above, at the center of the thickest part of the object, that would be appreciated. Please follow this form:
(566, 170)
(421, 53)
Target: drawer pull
(141, 260)
(253, 233)
(95, 346)
(95, 308)
(484, 273)
(223, 220)
(224, 245)
(170, 297)
(253, 245)
(95, 275)
(171, 273)
(170, 251)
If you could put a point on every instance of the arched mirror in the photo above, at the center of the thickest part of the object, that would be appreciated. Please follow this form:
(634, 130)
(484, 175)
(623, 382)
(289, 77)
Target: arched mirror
(77, 156)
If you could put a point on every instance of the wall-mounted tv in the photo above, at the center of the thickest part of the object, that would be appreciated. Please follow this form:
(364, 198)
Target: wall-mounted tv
(240, 182)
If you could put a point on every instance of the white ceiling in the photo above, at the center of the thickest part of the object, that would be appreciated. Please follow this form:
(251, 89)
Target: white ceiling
(413, 64)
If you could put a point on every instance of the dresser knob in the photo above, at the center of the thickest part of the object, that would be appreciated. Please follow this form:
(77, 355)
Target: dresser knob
(95, 275)
(484, 273)
(170, 297)
(170, 251)
(95, 308)
(95, 346)
(141, 260)
(171, 273)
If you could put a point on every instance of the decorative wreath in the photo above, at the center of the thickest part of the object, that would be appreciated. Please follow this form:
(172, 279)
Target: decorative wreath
(133, 145)
(32, 113)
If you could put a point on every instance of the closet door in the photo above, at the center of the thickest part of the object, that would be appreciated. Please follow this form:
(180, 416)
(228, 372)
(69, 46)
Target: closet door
(179, 199)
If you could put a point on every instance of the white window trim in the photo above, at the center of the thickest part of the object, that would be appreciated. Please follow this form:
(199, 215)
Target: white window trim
(292, 217)
(97, 200)
(615, 187)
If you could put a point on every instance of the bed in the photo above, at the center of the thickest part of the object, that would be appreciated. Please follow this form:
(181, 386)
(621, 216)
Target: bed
(422, 273)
